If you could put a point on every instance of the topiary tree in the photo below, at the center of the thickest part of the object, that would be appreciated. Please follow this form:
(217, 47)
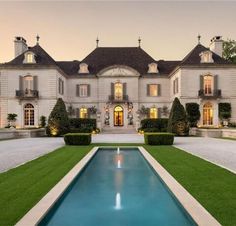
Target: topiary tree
(11, 118)
(178, 123)
(58, 121)
(224, 111)
(193, 113)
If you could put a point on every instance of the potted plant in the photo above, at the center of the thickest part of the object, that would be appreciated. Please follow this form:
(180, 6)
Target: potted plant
(11, 118)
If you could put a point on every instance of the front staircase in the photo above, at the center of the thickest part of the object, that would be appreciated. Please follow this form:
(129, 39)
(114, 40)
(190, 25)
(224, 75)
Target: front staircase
(118, 130)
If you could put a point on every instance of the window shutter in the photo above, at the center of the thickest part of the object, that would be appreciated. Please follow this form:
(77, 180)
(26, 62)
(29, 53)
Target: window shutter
(177, 85)
(62, 84)
(215, 82)
(124, 89)
(148, 90)
(77, 90)
(159, 113)
(174, 87)
(77, 112)
(201, 82)
(112, 89)
(88, 113)
(21, 86)
(159, 89)
(148, 114)
(88, 90)
(35, 79)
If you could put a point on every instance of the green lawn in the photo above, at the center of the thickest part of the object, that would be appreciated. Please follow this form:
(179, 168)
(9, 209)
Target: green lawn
(23, 187)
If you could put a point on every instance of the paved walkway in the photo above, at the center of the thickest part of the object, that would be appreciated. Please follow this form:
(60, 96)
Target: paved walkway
(18, 151)
(219, 151)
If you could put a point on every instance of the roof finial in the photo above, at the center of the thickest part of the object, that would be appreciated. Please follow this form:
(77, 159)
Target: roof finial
(37, 39)
(139, 42)
(97, 41)
(199, 38)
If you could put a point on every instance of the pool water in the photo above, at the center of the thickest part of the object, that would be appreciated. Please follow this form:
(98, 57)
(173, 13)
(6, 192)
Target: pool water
(117, 189)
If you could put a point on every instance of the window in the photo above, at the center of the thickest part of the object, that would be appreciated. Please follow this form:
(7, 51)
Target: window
(153, 113)
(83, 113)
(118, 90)
(207, 114)
(153, 90)
(176, 86)
(30, 58)
(206, 57)
(208, 84)
(61, 86)
(29, 115)
(28, 83)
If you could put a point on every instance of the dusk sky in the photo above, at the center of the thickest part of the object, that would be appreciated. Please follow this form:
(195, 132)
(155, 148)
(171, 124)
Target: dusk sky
(68, 30)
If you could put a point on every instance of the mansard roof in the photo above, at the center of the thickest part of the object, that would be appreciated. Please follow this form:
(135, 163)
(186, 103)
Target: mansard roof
(103, 57)
(42, 57)
(193, 58)
(69, 67)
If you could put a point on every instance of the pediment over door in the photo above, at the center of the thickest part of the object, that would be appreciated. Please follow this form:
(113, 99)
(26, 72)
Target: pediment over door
(118, 70)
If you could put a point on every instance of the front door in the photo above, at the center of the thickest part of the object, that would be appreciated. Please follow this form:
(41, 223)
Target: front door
(118, 116)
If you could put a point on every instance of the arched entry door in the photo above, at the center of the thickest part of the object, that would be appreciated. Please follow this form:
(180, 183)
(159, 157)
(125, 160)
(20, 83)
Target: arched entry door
(118, 116)
(207, 114)
(29, 115)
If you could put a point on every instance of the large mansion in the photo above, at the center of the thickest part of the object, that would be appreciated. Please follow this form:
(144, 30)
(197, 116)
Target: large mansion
(116, 85)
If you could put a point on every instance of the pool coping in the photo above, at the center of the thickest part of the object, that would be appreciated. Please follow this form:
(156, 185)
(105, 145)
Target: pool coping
(34, 215)
(198, 213)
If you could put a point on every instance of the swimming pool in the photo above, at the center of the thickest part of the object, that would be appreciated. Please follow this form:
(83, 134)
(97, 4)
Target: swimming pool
(117, 188)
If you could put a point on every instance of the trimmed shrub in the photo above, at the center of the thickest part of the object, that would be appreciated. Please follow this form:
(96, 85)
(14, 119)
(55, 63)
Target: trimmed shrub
(193, 113)
(42, 121)
(58, 121)
(224, 110)
(83, 123)
(178, 123)
(159, 138)
(81, 130)
(77, 138)
(154, 125)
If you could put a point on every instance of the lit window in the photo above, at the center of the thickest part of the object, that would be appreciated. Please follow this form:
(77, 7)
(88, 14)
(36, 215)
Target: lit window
(30, 58)
(28, 83)
(153, 90)
(83, 113)
(207, 114)
(153, 113)
(206, 57)
(208, 83)
(29, 115)
(118, 90)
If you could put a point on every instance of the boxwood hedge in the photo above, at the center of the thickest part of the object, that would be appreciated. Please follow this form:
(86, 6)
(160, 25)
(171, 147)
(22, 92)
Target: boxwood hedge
(159, 138)
(77, 138)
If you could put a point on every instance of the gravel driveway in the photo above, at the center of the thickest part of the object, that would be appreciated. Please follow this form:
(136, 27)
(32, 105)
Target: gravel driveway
(18, 151)
(219, 151)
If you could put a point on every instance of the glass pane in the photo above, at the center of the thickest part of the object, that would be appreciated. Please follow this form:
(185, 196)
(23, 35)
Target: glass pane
(153, 90)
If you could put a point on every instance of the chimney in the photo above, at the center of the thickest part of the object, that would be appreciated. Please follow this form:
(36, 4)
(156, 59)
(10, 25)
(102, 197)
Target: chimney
(216, 45)
(20, 46)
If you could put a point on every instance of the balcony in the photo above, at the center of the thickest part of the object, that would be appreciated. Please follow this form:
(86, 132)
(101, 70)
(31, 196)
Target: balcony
(27, 94)
(214, 95)
(118, 99)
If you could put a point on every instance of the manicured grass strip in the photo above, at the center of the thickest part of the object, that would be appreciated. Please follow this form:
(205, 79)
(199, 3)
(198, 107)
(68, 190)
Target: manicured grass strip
(228, 138)
(213, 186)
(21, 188)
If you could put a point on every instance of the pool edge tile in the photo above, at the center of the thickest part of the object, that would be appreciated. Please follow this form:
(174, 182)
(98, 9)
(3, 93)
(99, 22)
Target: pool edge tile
(199, 214)
(36, 213)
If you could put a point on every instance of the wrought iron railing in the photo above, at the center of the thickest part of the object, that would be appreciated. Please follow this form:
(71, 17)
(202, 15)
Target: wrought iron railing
(27, 93)
(215, 94)
(118, 99)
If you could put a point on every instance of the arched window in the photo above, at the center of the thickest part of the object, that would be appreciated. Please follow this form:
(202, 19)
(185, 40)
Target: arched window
(29, 115)
(208, 84)
(118, 90)
(153, 112)
(83, 113)
(207, 114)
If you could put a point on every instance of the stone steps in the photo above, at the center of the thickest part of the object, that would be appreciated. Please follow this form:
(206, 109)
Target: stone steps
(118, 131)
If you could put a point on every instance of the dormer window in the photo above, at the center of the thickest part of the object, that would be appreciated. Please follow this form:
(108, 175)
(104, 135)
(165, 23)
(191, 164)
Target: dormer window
(29, 58)
(152, 68)
(206, 57)
(83, 68)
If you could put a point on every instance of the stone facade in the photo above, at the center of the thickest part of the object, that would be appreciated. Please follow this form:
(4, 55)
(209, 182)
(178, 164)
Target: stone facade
(114, 84)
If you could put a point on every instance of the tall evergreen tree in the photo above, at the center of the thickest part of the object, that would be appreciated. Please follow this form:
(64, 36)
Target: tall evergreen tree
(178, 123)
(58, 121)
